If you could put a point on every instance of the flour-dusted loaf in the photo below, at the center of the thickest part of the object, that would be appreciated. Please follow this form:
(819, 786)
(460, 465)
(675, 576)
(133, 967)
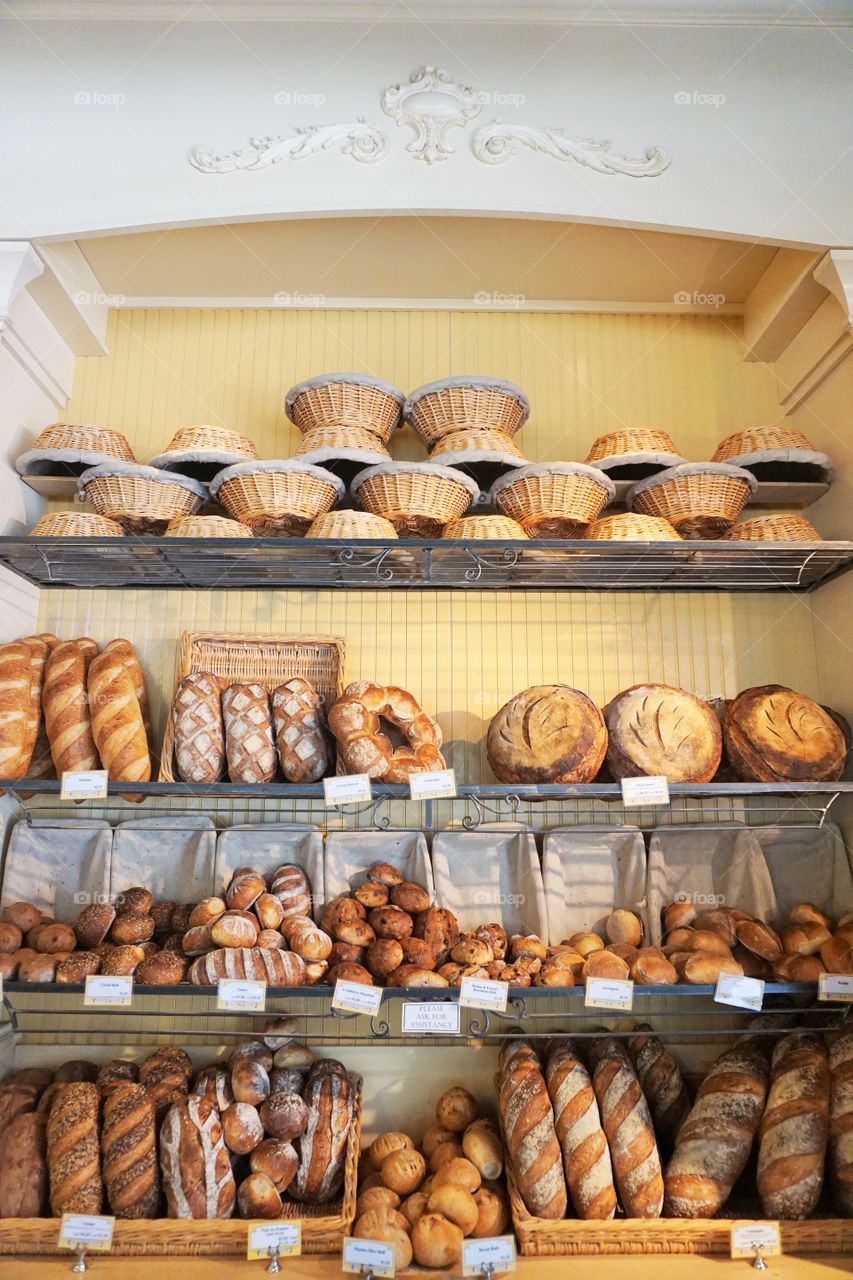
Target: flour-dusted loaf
(656, 729)
(714, 1142)
(65, 703)
(794, 1127)
(126, 652)
(23, 1167)
(38, 650)
(249, 750)
(530, 1135)
(329, 1095)
(117, 725)
(194, 1161)
(291, 886)
(275, 967)
(199, 732)
(586, 1156)
(776, 735)
(73, 1154)
(841, 1121)
(662, 1083)
(129, 1152)
(301, 735)
(15, 709)
(548, 733)
(627, 1124)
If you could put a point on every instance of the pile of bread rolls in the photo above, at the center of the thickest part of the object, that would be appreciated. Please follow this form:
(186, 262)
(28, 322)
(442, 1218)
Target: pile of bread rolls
(553, 733)
(426, 1201)
(615, 1126)
(140, 1139)
(66, 707)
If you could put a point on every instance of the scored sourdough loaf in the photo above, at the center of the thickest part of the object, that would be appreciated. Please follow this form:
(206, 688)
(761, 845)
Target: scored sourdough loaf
(329, 1095)
(548, 733)
(129, 1152)
(657, 729)
(627, 1125)
(72, 1150)
(276, 968)
(714, 1142)
(662, 1083)
(586, 1156)
(198, 728)
(776, 735)
(117, 726)
(530, 1135)
(795, 1127)
(194, 1161)
(841, 1120)
(301, 737)
(249, 749)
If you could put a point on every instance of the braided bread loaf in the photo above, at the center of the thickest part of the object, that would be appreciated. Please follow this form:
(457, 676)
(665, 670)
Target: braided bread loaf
(194, 1161)
(129, 1151)
(72, 1150)
(198, 728)
(627, 1124)
(355, 721)
(795, 1127)
(841, 1120)
(300, 731)
(530, 1137)
(661, 1082)
(249, 750)
(66, 706)
(586, 1156)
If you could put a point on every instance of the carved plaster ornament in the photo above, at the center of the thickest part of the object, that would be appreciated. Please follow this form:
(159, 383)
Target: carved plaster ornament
(431, 104)
(496, 142)
(360, 140)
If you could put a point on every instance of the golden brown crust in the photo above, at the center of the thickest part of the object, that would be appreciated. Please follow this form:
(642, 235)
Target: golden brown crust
(548, 733)
(657, 729)
(774, 734)
(129, 1148)
(72, 1150)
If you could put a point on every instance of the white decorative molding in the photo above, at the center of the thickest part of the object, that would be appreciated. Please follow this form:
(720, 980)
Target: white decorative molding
(496, 142)
(835, 273)
(489, 303)
(431, 104)
(363, 141)
(19, 264)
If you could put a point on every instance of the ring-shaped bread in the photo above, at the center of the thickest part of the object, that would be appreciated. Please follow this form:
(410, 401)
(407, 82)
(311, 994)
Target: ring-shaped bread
(355, 720)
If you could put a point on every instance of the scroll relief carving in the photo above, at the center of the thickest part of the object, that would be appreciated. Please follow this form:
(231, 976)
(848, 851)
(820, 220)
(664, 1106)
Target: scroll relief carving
(494, 143)
(360, 140)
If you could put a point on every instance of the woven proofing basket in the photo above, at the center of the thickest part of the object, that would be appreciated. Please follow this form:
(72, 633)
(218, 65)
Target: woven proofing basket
(75, 524)
(206, 527)
(486, 438)
(277, 503)
(138, 504)
(698, 504)
(334, 437)
(214, 438)
(785, 527)
(497, 528)
(346, 404)
(552, 504)
(632, 528)
(351, 524)
(452, 409)
(86, 439)
(631, 440)
(758, 438)
(418, 504)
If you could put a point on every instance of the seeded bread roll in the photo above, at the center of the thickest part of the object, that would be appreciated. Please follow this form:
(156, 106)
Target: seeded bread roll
(530, 1135)
(661, 1082)
(795, 1127)
(586, 1156)
(841, 1121)
(72, 1150)
(129, 1152)
(627, 1123)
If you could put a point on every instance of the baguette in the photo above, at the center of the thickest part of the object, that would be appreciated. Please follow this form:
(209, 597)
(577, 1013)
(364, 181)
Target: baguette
(841, 1121)
(72, 1150)
(714, 1142)
(586, 1157)
(124, 650)
(66, 708)
(661, 1082)
(38, 651)
(117, 721)
(129, 1149)
(627, 1124)
(530, 1135)
(15, 710)
(795, 1127)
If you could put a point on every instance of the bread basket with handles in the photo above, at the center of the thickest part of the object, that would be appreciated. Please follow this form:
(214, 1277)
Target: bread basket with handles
(140, 499)
(553, 499)
(699, 499)
(345, 400)
(439, 409)
(276, 498)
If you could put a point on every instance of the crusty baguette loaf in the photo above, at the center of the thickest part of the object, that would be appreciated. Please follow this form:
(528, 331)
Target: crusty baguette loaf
(627, 1124)
(330, 1099)
(15, 710)
(23, 1167)
(715, 1140)
(795, 1127)
(129, 1150)
(249, 750)
(117, 721)
(66, 708)
(301, 736)
(198, 728)
(530, 1136)
(72, 1150)
(38, 650)
(276, 968)
(661, 1081)
(194, 1161)
(586, 1157)
(841, 1121)
(125, 650)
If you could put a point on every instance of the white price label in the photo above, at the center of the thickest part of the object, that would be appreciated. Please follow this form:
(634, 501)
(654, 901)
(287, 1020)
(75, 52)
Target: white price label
(609, 993)
(79, 1230)
(430, 1019)
(108, 991)
(241, 993)
(350, 789)
(481, 993)
(749, 1239)
(640, 791)
(497, 1252)
(268, 1239)
(743, 993)
(355, 997)
(368, 1255)
(89, 785)
(835, 986)
(438, 785)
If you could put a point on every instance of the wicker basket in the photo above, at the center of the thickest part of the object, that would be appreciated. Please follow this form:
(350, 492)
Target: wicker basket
(66, 449)
(276, 499)
(140, 499)
(634, 453)
(496, 528)
(345, 400)
(418, 498)
(202, 451)
(206, 527)
(699, 499)
(323, 1225)
(351, 524)
(784, 527)
(632, 528)
(775, 454)
(554, 499)
(743, 442)
(345, 451)
(439, 409)
(486, 439)
(75, 524)
(267, 660)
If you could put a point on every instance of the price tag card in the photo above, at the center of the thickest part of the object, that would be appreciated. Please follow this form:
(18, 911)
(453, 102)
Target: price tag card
(835, 986)
(751, 1237)
(430, 1019)
(481, 993)
(743, 993)
(89, 785)
(350, 789)
(101, 990)
(363, 1255)
(241, 993)
(495, 1251)
(438, 785)
(267, 1238)
(355, 997)
(640, 791)
(78, 1230)
(609, 993)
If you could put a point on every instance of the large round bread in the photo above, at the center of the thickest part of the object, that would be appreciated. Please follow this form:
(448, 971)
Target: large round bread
(548, 733)
(776, 735)
(656, 729)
